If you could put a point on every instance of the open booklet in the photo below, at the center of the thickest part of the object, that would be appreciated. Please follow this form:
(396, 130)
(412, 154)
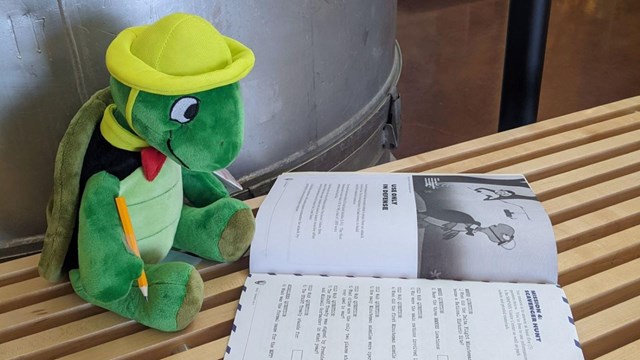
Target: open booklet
(402, 266)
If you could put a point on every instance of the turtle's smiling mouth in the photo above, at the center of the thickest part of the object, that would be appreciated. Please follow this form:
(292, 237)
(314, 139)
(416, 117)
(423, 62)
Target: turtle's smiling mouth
(172, 152)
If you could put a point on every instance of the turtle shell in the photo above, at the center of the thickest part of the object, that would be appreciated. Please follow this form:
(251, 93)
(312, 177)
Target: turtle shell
(62, 209)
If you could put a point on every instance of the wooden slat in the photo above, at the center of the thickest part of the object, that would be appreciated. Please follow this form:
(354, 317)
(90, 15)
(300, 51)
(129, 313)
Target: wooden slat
(36, 290)
(576, 179)
(255, 203)
(224, 288)
(593, 198)
(580, 178)
(11, 270)
(30, 292)
(563, 162)
(627, 352)
(19, 270)
(209, 325)
(598, 224)
(604, 290)
(71, 337)
(622, 144)
(491, 143)
(598, 256)
(94, 330)
(44, 315)
(211, 351)
(570, 160)
(526, 151)
(610, 329)
(27, 320)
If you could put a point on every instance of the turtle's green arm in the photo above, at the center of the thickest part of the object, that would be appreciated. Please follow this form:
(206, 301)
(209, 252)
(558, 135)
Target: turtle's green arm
(216, 227)
(107, 267)
(202, 188)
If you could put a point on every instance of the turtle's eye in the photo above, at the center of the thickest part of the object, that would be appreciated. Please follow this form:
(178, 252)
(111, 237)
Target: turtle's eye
(185, 109)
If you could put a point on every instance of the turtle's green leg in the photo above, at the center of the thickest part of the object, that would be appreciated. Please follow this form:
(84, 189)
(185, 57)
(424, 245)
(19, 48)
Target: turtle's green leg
(175, 296)
(218, 227)
(221, 231)
(107, 267)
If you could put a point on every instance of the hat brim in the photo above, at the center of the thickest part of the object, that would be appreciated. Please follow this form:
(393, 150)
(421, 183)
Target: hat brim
(135, 73)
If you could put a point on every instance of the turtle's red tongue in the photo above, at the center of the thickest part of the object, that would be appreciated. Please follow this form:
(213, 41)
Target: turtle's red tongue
(152, 161)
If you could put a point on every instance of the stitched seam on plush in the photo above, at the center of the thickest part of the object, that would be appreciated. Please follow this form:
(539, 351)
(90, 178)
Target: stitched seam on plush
(155, 197)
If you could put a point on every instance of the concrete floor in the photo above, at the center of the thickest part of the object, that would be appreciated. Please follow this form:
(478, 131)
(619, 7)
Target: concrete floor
(453, 55)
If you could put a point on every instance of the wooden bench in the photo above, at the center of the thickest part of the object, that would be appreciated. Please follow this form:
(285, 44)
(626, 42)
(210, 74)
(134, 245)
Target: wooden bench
(583, 166)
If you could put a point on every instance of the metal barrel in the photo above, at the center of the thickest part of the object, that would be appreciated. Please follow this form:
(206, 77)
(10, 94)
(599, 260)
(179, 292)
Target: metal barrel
(321, 96)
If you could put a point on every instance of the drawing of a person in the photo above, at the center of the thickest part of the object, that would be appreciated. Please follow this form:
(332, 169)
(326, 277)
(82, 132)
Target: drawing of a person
(501, 234)
(453, 222)
(502, 194)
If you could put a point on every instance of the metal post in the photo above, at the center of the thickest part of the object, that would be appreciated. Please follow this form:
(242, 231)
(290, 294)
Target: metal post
(523, 62)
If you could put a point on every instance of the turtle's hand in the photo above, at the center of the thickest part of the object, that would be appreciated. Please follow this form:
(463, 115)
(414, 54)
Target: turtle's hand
(202, 188)
(106, 265)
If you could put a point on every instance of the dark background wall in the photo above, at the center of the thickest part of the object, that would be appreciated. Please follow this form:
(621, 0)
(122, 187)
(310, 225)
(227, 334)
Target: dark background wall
(453, 55)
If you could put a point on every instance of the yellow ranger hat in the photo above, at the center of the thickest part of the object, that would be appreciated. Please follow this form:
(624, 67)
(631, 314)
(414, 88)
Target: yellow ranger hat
(178, 54)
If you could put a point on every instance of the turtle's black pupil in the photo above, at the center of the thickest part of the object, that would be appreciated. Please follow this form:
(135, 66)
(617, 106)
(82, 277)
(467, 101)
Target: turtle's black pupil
(192, 111)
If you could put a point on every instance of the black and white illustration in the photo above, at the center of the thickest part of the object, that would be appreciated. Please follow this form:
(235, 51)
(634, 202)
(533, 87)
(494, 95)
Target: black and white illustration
(490, 222)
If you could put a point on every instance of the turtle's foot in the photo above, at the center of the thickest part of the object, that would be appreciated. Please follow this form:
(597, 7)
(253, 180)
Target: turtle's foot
(175, 297)
(221, 231)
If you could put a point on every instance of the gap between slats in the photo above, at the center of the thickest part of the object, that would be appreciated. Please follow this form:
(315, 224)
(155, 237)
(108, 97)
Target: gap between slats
(590, 174)
(36, 290)
(589, 133)
(256, 201)
(610, 329)
(586, 176)
(593, 198)
(627, 352)
(530, 150)
(491, 143)
(30, 292)
(95, 330)
(599, 255)
(19, 270)
(57, 311)
(214, 350)
(210, 325)
(604, 290)
(61, 310)
(45, 315)
(588, 155)
(38, 294)
(587, 228)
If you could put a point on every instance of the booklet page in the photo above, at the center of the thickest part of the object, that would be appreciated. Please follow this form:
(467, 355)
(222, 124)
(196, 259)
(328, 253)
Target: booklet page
(483, 227)
(338, 224)
(316, 318)
(434, 226)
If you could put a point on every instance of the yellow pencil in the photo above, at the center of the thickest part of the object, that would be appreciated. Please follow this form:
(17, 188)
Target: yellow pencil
(121, 204)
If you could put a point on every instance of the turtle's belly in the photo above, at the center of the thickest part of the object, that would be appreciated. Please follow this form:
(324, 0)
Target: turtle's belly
(155, 209)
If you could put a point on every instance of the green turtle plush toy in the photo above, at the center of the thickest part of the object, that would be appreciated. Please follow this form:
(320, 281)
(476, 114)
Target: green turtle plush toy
(171, 116)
